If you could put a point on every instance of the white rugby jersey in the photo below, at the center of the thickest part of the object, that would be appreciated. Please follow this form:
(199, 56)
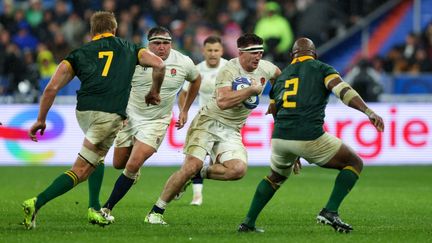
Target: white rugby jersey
(236, 116)
(208, 79)
(178, 69)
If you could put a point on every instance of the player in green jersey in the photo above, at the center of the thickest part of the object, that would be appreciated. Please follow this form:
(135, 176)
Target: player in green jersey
(300, 95)
(105, 67)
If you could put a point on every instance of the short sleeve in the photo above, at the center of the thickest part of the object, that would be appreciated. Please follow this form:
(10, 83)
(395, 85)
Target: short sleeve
(71, 59)
(329, 73)
(225, 77)
(192, 70)
(186, 86)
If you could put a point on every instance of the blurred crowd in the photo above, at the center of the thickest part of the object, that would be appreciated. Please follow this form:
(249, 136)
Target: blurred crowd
(414, 56)
(35, 35)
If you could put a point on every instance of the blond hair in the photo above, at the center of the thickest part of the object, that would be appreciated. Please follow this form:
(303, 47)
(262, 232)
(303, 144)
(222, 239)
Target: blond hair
(102, 22)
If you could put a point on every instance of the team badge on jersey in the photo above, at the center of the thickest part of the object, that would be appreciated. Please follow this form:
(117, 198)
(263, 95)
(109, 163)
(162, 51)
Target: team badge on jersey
(173, 72)
(263, 80)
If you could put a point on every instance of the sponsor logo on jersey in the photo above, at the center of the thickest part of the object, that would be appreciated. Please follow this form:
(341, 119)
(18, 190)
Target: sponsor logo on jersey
(173, 72)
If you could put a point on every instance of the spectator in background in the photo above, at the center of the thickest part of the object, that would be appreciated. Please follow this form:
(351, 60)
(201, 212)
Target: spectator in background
(125, 28)
(4, 41)
(394, 61)
(7, 17)
(14, 67)
(24, 39)
(19, 18)
(28, 88)
(183, 9)
(319, 20)
(237, 12)
(34, 14)
(366, 81)
(410, 47)
(60, 47)
(74, 30)
(231, 31)
(46, 63)
(421, 62)
(427, 37)
(276, 32)
(42, 31)
(61, 12)
(161, 11)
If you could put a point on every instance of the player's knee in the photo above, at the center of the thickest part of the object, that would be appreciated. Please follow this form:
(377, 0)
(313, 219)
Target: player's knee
(133, 166)
(82, 171)
(192, 166)
(90, 156)
(120, 158)
(237, 171)
(276, 179)
(356, 162)
(118, 165)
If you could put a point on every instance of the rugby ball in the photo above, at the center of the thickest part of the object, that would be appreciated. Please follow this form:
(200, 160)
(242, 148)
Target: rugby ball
(241, 83)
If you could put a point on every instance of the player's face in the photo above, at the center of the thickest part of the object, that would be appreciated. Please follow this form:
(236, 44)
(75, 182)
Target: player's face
(250, 60)
(161, 48)
(212, 54)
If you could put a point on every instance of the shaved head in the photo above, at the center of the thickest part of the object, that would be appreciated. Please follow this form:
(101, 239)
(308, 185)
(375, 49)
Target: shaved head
(303, 47)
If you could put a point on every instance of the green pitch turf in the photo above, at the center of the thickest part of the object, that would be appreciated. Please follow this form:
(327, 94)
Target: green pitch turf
(388, 204)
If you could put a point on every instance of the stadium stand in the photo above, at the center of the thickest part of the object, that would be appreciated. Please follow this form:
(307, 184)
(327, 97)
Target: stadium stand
(353, 30)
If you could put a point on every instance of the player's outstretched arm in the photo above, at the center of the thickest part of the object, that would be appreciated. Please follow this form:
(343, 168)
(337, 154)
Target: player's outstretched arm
(351, 98)
(148, 59)
(62, 76)
(185, 101)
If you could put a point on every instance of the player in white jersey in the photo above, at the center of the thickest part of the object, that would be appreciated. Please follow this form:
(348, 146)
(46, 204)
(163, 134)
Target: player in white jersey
(209, 68)
(147, 125)
(215, 130)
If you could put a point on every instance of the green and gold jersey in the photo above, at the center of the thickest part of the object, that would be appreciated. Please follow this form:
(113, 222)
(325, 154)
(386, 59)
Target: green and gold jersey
(300, 96)
(105, 67)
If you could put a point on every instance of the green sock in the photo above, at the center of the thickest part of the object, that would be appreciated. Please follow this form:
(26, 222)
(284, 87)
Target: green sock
(344, 183)
(59, 186)
(263, 194)
(94, 185)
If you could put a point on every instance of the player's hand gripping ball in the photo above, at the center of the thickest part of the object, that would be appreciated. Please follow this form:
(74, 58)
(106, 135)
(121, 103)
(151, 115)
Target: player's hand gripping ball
(244, 82)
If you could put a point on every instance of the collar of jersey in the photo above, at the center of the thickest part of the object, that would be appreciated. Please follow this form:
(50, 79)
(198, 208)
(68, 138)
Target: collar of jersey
(301, 59)
(103, 35)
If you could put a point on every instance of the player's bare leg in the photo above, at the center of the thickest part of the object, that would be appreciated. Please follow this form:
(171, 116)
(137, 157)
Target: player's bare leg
(229, 170)
(121, 156)
(173, 186)
(176, 181)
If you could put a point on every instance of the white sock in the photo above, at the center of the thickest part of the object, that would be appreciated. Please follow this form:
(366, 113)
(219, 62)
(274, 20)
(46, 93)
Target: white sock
(161, 203)
(203, 171)
(129, 174)
(197, 189)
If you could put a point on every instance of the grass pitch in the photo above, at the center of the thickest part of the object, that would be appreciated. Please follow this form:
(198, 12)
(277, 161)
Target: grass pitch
(388, 204)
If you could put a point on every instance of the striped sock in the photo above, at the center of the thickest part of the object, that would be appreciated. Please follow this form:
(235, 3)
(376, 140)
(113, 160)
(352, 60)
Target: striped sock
(59, 186)
(345, 181)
